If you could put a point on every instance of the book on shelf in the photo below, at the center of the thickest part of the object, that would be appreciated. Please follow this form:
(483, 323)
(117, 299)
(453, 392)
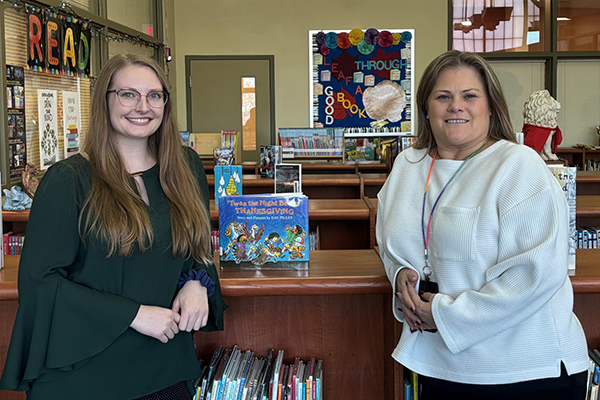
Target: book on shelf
(288, 178)
(566, 177)
(593, 390)
(266, 231)
(411, 385)
(228, 181)
(228, 139)
(269, 156)
(223, 156)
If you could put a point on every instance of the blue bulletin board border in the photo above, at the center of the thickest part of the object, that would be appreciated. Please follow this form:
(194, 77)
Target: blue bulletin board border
(362, 80)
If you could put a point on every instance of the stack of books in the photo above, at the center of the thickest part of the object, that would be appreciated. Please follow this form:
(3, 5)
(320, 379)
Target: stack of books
(236, 374)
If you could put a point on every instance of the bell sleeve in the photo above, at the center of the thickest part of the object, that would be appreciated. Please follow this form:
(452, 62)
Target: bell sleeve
(216, 304)
(60, 324)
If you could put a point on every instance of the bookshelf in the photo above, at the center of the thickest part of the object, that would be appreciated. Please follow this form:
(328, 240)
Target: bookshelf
(312, 143)
(577, 156)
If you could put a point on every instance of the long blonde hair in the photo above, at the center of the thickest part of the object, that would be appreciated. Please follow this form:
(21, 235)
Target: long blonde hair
(114, 212)
(500, 125)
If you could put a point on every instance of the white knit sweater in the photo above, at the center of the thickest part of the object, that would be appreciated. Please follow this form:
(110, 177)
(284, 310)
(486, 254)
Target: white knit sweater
(498, 250)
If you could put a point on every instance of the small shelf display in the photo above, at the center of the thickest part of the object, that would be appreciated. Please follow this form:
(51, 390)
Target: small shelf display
(312, 143)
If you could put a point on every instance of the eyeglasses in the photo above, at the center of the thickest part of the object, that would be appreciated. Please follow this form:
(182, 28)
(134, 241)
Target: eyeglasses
(131, 97)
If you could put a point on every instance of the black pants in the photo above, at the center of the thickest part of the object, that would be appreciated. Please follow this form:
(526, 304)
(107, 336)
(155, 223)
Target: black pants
(565, 387)
(178, 391)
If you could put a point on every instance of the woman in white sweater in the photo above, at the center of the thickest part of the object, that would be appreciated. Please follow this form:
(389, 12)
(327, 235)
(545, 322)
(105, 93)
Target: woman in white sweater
(482, 217)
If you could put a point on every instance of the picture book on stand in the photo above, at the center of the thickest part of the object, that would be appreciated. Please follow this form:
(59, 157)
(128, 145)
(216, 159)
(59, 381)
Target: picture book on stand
(265, 231)
(566, 177)
(228, 181)
(269, 156)
(288, 178)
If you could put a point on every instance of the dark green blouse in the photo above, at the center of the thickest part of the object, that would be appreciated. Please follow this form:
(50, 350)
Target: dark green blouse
(71, 338)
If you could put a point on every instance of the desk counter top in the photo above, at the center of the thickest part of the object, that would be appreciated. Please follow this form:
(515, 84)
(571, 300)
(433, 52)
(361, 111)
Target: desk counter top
(330, 272)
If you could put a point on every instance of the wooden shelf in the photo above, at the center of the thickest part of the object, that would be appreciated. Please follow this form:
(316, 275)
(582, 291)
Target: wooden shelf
(15, 216)
(588, 206)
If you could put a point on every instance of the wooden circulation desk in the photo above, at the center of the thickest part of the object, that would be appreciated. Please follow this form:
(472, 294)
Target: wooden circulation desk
(339, 311)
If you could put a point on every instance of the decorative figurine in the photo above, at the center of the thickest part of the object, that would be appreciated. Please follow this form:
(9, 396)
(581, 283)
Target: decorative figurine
(29, 179)
(16, 200)
(598, 132)
(540, 126)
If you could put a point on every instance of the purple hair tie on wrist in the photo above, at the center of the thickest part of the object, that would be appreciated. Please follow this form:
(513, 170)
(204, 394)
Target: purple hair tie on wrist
(201, 276)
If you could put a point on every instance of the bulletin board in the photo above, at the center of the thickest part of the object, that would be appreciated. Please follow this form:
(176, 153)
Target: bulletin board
(362, 80)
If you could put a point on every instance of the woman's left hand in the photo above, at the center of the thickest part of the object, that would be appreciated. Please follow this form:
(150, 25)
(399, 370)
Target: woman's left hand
(192, 304)
(423, 308)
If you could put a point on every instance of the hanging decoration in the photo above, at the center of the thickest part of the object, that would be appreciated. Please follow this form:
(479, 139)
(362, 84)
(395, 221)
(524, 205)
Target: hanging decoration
(362, 80)
(59, 38)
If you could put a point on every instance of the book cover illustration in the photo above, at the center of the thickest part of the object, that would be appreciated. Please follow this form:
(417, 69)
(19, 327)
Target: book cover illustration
(228, 181)
(264, 231)
(288, 178)
(224, 156)
(269, 156)
(566, 177)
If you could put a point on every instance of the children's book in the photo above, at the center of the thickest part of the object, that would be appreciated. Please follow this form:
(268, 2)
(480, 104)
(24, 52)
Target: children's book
(267, 231)
(566, 178)
(224, 156)
(228, 181)
(269, 156)
(288, 178)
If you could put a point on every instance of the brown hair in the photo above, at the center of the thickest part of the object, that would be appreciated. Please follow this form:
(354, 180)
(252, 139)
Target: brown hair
(500, 125)
(115, 213)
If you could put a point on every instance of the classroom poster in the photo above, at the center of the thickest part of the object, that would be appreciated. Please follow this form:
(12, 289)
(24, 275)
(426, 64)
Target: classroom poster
(15, 99)
(71, 122)
(362, 80)
(48, 127)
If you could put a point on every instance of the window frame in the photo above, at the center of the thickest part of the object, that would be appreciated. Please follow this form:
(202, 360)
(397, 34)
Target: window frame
(551, 58)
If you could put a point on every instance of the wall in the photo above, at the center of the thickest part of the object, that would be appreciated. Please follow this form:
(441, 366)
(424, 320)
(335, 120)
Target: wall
(280, 27)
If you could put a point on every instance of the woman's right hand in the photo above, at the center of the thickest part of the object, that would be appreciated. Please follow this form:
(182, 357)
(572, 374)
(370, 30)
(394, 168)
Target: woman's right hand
(157, 322)
(405, 278)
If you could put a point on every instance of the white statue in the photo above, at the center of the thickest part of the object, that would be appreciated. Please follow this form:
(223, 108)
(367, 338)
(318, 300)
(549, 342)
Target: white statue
(540, 126)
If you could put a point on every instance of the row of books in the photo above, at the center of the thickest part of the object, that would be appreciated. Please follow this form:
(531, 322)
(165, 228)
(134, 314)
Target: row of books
(234, 374)
(12, 243)
(593, 392)
(373, 149)
(592, 165)
(587, 237)
(322, 142)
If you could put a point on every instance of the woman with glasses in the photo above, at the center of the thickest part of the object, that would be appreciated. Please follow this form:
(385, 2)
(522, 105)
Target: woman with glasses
(116, 271)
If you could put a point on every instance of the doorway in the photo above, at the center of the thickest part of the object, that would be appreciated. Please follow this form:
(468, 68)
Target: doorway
(214, 97)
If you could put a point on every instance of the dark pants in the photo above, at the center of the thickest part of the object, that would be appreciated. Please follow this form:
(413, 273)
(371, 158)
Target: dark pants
(565, 387)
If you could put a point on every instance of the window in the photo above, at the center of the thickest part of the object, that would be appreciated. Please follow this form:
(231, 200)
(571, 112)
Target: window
(538, 44)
